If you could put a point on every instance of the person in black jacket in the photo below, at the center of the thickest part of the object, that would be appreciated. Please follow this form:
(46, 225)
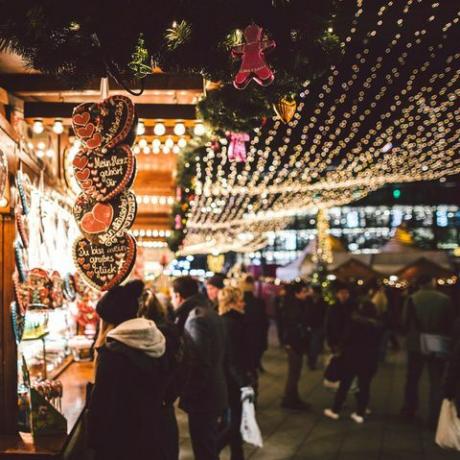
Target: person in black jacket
(338, 315)
(231, 308)
(124, 410)
(204, 397)
(296, 342)
(175, 360)
(256, 327)
(359, 357)
(316, 315)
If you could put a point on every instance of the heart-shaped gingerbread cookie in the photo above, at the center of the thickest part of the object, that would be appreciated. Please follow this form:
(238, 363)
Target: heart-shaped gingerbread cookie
(101, 222)
(103, 177)
(102, 126)
(103, 266)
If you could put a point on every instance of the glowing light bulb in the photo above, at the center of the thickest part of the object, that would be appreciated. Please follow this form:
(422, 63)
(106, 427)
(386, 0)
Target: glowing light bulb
(38, 127)
(182, 143)
(58, 127)
(159, 129)
(179, 129)
(199, 129)
(140, 130)
(169, 143)
(143, 143)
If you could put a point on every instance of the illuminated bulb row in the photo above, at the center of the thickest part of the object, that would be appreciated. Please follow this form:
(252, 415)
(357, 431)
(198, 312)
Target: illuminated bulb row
(180, 129)
(38, 127)
(155, 199)
(152, 244)
(151, 233)
(156, 147)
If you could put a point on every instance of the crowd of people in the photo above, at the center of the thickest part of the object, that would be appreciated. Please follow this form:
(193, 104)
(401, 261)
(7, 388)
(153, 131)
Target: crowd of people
(357, 329)
(202, 351)
(205, 343)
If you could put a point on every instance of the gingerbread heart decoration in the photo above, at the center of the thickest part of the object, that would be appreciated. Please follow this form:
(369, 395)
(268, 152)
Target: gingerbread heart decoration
(101, 222)
(103, 266)
(103, 177)
(102, 126)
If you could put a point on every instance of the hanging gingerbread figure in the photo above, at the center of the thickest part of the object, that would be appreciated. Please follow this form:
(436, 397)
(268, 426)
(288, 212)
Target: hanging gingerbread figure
(252, 53)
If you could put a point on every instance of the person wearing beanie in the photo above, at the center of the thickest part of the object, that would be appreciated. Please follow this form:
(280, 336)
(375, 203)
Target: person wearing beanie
(214, 285)
(124, 410)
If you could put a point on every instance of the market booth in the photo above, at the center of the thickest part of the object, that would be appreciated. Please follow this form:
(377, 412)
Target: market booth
(48, 320)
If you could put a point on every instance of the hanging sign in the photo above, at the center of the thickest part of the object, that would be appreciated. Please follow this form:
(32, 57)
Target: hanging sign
(102, 177)
(103, 266)
(102, 126)
(101, 222)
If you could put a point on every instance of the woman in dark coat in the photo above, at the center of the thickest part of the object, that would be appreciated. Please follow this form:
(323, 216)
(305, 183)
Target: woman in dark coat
(124, 411)
(359, 356)
(231, 309)
(174, 365)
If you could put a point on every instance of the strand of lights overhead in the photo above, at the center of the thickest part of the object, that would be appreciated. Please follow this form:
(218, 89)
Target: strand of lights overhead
(152, 233)
(387, 114)
(162, 200)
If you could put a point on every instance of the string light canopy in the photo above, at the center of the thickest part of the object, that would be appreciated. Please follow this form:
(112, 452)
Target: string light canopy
(388, 113)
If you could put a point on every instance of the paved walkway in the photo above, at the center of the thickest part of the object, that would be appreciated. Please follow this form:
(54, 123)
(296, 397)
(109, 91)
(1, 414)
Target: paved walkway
(311, 436)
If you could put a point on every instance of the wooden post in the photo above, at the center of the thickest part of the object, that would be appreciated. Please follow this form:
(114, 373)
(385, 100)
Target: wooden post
(8, 351)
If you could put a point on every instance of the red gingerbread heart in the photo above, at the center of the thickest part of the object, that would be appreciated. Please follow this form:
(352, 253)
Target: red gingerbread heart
(102, 222)
(81, 119)
(82, 175)
(80, 161)
(86, 131)
(94, 142)
(98, 220)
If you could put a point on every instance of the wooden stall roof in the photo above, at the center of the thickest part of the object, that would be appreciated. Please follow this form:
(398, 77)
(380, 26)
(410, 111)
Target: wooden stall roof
(423, 266)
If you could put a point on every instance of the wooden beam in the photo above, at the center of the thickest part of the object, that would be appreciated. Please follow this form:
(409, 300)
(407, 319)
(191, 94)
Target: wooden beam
(39, 83)
(156, 111)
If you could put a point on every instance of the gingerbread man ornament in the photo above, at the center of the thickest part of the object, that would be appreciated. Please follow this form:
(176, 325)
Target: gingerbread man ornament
(252, 53)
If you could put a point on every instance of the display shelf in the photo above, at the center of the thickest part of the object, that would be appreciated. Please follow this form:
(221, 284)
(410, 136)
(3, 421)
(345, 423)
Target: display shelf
(55, 373)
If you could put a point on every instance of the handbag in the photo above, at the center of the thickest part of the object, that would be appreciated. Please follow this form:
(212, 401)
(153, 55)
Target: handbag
(430, 344)
(250, 431)
(448, 431)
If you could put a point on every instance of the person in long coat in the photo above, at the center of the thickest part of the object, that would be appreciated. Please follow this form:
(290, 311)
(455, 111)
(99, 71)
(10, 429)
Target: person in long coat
(124, 409)
(231, 309)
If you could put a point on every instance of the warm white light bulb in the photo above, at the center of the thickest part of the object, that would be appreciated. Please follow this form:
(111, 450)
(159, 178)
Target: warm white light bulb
(38, 127)
(41, 145)
(182, 142)
(159, 129)
(179, 129)
(50, 153)
(143, 143)
(199, 129)
(140, 130)
(40, 153)
(169, 143)
(156, 143)
(58, 127)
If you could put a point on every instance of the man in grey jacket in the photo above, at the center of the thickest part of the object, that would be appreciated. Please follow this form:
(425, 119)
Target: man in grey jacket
(426, 311)
(204, 397)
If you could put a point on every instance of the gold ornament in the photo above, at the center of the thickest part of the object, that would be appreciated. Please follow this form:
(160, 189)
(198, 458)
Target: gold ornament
(216, 263)
(285, 108)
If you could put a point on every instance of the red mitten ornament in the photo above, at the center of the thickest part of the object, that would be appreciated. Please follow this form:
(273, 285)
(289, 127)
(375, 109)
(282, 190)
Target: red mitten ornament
(252, 53)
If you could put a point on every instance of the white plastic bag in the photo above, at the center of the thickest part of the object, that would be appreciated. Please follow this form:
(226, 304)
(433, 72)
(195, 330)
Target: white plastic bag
(448, 432)
(250, 431)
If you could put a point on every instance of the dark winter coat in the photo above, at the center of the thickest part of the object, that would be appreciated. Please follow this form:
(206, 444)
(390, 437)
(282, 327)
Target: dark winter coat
(316, 313)
(256, 330)
(360, 344)
(125, 406)
(236, 351)
(204, 335)
(337, 318)
(428, 311)
(296, 324)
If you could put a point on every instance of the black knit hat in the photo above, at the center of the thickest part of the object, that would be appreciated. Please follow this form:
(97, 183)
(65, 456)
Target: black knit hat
(121, 303)
(216, 281)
